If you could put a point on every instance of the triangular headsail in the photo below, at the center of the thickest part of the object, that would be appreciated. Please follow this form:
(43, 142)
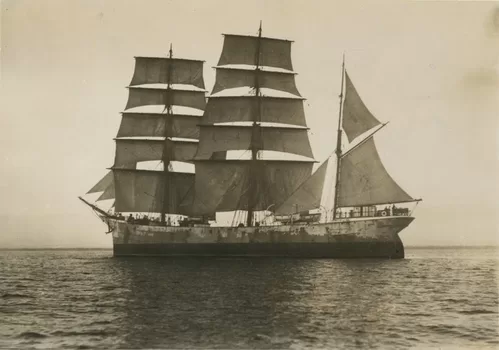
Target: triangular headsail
(108, 193)
(103, 183)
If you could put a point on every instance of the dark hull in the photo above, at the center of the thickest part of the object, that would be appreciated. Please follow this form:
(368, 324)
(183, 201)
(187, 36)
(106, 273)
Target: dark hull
(339, 250)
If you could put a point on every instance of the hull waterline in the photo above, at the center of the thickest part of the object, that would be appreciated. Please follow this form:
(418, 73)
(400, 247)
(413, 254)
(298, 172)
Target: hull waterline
(375, 237)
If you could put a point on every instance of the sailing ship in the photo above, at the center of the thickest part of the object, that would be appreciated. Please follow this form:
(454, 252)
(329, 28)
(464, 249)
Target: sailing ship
(244, 152)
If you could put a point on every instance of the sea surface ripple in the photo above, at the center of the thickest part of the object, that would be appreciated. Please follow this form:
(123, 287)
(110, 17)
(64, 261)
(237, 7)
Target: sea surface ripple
(85, 299)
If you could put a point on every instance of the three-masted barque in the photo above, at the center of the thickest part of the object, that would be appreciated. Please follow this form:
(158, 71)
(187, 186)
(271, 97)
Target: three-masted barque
(244, 153)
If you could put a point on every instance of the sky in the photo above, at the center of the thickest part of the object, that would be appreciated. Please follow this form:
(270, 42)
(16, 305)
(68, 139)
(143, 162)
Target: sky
(430, 68)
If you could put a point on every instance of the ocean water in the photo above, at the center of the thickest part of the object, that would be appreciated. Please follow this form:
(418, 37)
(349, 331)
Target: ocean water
(435, 298)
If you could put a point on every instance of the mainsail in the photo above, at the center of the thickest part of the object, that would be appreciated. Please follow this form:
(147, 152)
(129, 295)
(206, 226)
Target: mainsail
(165, 135)
(361, 178)
(256, 123)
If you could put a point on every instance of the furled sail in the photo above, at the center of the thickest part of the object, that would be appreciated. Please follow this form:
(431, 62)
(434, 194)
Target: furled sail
(308, 195)
(154, 70)
(142, 190)
(356, 117)
(229, 78)
(365, 181)
(242, 49)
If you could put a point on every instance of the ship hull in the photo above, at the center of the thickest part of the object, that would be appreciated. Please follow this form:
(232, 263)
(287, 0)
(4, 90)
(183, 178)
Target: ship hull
(356, 238)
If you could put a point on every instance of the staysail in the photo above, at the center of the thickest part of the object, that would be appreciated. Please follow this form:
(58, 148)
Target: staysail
(255, 123)
(167, 134)
(308, 195)
(103, 183)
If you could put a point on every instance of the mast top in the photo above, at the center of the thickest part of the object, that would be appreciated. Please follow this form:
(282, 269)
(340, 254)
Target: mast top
(170, 53)
(260, 29)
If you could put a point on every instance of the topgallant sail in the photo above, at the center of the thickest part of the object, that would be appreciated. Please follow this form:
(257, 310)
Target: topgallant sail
(253, 162)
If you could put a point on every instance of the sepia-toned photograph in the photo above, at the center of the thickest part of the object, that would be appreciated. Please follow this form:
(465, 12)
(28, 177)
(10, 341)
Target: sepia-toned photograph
(280, 174)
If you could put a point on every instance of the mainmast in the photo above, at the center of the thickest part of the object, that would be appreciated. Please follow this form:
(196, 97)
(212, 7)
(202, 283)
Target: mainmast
(167, 149)
(258, 122)
(253, 180)
(338, 141)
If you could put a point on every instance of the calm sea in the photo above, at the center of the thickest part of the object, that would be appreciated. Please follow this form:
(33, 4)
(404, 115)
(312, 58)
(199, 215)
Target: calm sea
(435, 298)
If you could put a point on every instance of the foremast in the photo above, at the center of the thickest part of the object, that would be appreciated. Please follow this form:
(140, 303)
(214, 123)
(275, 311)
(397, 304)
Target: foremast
(254, 173)
(167, 149)
(159, 125)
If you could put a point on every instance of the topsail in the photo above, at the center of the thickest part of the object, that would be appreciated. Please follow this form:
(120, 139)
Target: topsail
(248, 123)
(166, 135)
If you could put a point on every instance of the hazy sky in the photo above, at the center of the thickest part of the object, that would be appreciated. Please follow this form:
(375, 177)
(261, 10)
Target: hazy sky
(430, 68)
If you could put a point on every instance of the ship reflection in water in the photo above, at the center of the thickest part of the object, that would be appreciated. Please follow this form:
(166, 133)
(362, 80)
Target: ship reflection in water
(85, 299)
